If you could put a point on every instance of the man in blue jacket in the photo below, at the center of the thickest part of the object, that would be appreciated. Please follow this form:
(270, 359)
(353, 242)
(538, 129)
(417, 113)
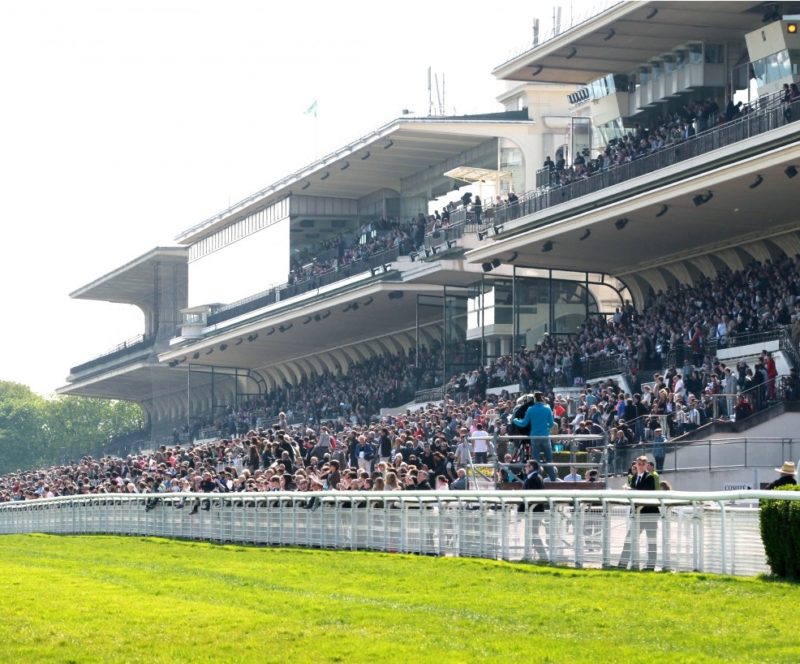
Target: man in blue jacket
(540, 419)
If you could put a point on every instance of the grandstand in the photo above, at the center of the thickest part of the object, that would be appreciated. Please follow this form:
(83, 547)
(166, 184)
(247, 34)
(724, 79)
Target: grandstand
(644, 160)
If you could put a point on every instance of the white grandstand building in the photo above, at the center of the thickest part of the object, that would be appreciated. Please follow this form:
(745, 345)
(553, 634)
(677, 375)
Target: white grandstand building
(492, 282)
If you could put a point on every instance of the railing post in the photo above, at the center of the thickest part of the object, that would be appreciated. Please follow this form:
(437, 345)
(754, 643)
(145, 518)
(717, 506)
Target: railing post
(605, 535)
(723, 536)
(577, 530)
(666, 541)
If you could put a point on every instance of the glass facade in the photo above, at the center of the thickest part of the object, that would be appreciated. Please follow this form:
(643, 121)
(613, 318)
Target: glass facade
(535, 303)
(775, 67)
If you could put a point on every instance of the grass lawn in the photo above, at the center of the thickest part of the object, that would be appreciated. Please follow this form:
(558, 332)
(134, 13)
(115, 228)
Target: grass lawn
(130, 599)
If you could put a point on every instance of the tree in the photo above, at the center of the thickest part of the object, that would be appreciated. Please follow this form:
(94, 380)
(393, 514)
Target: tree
(81, 425)
(21, 431)
(35, 431)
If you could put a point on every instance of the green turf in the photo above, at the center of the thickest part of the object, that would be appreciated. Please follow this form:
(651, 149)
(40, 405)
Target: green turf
(117, 599)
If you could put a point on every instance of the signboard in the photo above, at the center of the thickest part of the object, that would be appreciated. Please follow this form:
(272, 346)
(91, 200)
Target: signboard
(736, 487)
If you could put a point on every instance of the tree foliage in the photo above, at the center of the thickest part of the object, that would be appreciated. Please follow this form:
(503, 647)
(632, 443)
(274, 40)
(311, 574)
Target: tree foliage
(780, 532)
(36, 431)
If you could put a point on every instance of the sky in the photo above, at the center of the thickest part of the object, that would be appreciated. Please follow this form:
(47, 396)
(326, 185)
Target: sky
(124, 123)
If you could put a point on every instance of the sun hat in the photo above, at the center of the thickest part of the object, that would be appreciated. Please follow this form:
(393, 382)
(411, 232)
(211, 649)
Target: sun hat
(788, 468)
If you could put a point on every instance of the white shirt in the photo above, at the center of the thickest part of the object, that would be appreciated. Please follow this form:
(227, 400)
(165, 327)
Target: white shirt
(479, 441)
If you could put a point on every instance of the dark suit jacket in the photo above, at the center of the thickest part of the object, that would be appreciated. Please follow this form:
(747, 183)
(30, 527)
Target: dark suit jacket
(647, 483)
(533, 482)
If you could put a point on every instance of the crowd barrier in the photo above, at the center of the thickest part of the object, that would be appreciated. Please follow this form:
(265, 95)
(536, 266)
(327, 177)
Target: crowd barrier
(706, 532)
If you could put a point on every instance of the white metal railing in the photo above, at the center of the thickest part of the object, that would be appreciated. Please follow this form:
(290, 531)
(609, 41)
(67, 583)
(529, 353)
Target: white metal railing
(710, 532)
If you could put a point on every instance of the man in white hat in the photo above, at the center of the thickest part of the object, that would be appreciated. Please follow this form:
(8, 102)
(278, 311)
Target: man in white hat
(787, 471)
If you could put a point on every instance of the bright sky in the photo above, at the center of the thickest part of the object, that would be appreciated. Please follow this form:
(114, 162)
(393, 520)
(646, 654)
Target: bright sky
(124, 123)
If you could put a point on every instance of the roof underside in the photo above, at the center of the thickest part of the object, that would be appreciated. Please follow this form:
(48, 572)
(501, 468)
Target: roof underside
(133, 282)
(628, 35)
(744, 208)
(380, 161)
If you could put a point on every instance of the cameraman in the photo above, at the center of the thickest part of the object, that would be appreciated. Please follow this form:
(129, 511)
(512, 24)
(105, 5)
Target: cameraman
(539, 417)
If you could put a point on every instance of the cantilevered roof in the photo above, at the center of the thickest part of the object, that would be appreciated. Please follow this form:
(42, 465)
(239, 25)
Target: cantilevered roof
(133, 282)
(381, 159)
(751, 201)
(472, 174)
(630, 34)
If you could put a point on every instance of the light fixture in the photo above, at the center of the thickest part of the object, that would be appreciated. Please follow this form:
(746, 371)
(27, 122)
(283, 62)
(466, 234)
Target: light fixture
(239, 341)
(285, 328)
(326, 314)
(572, 53)
(272, 331)
(791, 28)
(513, 257)
(395, 294)
(307, 320)
(223, 348)
(388, 145)
(252, 337)
(791, 171)
(345, 166)
(586, 233)
(652, 14)
(196, 355)
(173, 364)
(610, 34)
(537, 71)
(547, 246)
(621, 223)
(368, 301)
(702, 199)
(209, 351)
(664, 209)
(325, 175)
(366, 156)
(487, 267)
(306, 185)
(759, 179)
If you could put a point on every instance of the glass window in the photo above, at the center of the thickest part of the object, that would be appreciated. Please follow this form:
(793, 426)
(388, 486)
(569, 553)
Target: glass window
(714, 54)
(680, 59)
(655, 71)
(695, 54)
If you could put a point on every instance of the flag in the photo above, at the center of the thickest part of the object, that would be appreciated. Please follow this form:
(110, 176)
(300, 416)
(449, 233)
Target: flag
(312, 110)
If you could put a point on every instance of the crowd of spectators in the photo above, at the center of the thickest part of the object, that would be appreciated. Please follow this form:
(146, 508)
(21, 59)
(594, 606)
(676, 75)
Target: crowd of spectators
(330, 426)
(422, 450)
(675, 127)
(340, 252)
(680, 328)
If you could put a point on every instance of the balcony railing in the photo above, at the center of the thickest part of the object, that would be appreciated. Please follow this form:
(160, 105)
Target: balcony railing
(280, 293)
(770, 116)
(127, 347)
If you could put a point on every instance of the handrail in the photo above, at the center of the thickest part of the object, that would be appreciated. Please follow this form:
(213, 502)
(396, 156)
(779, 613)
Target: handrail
(714, 532)
(131, 345)
(751, 124)
(284, 291)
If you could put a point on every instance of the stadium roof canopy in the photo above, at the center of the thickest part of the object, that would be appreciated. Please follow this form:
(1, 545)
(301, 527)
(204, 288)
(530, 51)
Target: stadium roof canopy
(133, 282)
(381, 159)
(624, 229)
(629, 34)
